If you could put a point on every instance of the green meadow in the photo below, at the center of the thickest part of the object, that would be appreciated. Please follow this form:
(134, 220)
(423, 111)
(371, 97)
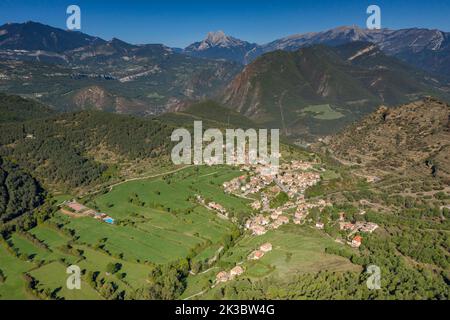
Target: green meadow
(157, 221)
(13, 268)
(323, 112)
(296, 249)
(53, 277)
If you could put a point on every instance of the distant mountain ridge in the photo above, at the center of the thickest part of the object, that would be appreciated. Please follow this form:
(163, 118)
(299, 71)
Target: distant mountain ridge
(423, 48)
(218, 45)
(151, 79)
(426, 49)
(106, 75)
(319, 89)
(33, 36)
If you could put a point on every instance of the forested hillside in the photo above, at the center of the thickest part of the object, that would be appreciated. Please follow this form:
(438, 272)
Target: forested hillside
(211, 113)
(76, 149)
(19, 192)
(15, 108)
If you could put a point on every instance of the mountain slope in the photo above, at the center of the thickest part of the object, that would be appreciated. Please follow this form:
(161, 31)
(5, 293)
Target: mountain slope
(17, 109)
(318, 89)
(19, 192)
(217, 45)
(413, 138)
(211, 113)
(75, 150)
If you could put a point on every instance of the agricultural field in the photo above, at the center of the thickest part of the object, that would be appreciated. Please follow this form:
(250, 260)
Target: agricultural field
(296, 250)
(52, 277)
(157, 221)
(13, 268)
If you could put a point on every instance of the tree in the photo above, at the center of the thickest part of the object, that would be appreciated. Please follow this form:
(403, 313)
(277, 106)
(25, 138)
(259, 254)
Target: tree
(113, 267)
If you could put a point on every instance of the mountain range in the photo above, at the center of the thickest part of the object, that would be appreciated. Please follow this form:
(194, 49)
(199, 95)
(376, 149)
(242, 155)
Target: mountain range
(72, 71)
(319, 89)
(218, 45)
(308, 85)
(423, 48)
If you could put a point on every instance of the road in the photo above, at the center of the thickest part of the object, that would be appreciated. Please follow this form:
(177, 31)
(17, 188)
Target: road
(149, 177)
(139, 178)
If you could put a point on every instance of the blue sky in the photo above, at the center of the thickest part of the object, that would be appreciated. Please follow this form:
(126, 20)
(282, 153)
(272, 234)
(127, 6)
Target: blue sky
(178, 23)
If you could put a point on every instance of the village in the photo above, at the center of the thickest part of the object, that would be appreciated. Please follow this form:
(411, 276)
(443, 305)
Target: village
(74, 209)
(291, 181)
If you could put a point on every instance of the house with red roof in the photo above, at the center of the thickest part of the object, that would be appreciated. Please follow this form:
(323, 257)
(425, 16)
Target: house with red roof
(356, 242)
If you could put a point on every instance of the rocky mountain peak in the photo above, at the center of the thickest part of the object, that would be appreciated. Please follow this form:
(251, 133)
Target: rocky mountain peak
(217, 37)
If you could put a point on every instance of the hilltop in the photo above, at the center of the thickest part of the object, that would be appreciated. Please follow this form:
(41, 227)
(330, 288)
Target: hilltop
(413, 139)
(37, 36)
(218, 45)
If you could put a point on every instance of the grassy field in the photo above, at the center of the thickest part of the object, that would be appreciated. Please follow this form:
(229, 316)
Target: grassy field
(35, 253)
(49, 236)
(162, 224)
(53, 277)
(13, 268)
(296, 249)
(157, 221)
(323, 112)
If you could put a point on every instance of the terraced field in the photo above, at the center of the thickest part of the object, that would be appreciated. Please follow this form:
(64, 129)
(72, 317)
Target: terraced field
(13, 269)
(296, 250)
(157, 222)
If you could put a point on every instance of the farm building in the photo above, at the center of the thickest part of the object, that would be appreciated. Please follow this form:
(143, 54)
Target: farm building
(320, 225)
(283, 219)
(256, 255)
(222, 277)
(266, 247)
(356, 242)
(258, 230)
(236, 271)
(75, 206)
